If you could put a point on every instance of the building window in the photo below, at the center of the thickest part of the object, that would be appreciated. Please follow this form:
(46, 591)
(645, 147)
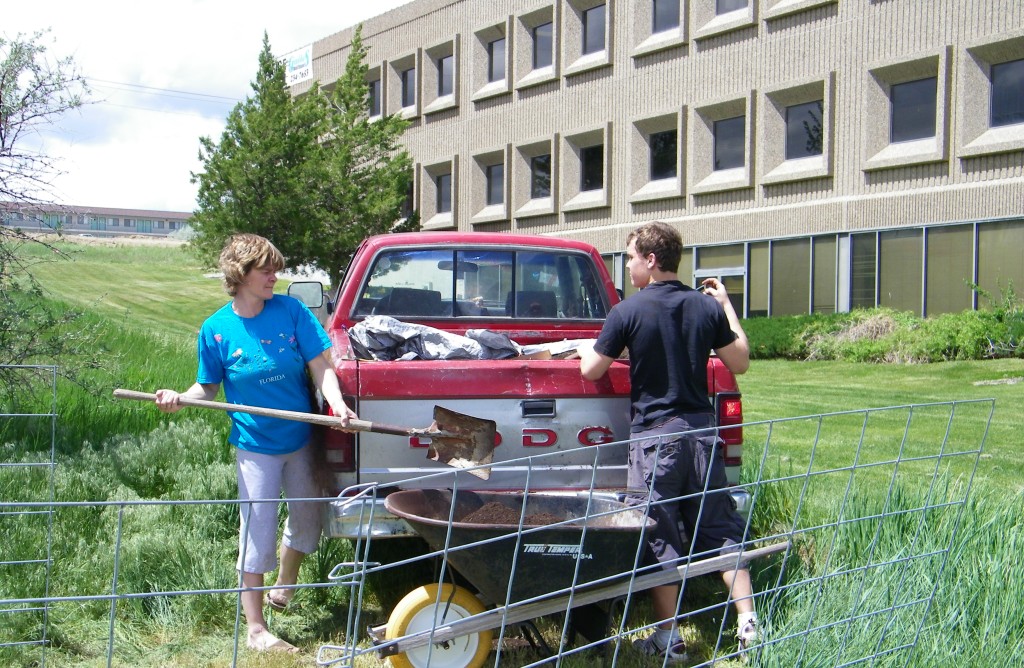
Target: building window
(665, 15)
(906, 112)
(409, 87)
(1007, 93)
(654, 166)
(445, 75)
(444, 193)
(496, 60)
(664, 149)
(804, 131)
(593, 30)
(540, 176)
(543, 46)
(726, 6)
(495, 177)
(373, 97)
(729, 141)
(863, 270)
(791, 276)
(592, 168)
(490, 54)
(439, 194)
(991, 95)
(912, 113)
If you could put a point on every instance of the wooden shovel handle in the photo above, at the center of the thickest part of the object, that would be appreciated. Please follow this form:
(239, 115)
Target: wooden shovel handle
(312, 418)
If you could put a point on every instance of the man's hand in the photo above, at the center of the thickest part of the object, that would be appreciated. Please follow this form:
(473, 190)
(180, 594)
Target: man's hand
(712, 286)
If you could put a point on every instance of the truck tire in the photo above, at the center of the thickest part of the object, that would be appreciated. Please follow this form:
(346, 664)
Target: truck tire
(419, 611)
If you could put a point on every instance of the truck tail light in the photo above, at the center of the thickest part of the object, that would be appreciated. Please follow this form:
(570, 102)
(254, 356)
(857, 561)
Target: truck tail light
(729, 409)
(341, 450)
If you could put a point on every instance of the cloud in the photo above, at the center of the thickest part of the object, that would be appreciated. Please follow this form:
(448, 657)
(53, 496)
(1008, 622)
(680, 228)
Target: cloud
(162, 76)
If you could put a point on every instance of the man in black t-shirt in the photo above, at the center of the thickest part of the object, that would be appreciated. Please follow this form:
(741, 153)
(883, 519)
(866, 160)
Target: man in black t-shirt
(670, 330)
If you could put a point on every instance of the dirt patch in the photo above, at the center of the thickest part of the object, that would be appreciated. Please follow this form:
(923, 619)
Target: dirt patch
(497, 513)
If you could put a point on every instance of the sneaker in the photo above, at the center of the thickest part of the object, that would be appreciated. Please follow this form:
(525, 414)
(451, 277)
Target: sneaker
(676, 652)
(749, 636)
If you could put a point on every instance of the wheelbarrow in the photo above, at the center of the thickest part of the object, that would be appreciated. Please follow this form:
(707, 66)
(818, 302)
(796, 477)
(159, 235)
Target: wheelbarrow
(526, 560)
(512, 548)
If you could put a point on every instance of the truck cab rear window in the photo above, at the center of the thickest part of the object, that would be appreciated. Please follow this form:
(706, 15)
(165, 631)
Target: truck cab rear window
(467, 283)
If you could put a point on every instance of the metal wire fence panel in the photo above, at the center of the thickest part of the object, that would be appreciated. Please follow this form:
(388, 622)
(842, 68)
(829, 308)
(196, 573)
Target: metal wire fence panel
(852, 519)
(25, 555)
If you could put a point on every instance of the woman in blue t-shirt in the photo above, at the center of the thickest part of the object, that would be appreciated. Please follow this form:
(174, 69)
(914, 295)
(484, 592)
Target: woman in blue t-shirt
(260, 346)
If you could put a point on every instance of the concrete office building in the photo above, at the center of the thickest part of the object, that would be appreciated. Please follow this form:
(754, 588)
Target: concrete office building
(817, 155)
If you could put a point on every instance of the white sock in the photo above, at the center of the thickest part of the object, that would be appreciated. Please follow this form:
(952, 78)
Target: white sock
(666, 637)
(745, 617)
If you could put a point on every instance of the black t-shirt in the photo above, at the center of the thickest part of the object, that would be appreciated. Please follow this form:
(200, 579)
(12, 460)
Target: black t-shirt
(670, 330)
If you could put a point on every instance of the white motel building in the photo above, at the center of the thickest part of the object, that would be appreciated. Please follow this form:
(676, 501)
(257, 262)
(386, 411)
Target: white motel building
(816, 155)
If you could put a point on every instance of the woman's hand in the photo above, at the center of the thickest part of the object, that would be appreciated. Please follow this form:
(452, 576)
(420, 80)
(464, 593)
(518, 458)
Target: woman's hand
(167, 401)
(344, 414)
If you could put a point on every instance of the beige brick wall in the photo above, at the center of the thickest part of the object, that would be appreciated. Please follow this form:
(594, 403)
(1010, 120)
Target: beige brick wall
(756, 61)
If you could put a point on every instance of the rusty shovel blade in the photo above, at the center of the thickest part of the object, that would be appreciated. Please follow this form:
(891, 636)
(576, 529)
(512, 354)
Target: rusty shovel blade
(462, 441)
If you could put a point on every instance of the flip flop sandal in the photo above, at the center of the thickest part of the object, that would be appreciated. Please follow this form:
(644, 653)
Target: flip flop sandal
(280, 601)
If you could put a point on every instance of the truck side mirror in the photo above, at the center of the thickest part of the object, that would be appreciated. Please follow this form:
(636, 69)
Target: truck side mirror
(310, 293)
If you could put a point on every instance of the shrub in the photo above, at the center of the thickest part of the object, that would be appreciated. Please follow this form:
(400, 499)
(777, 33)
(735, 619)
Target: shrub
(883, 335)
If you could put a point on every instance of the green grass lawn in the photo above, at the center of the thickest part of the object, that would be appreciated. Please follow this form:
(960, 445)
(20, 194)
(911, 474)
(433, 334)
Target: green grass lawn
(151, 301)
(777, 389)
(160, 289)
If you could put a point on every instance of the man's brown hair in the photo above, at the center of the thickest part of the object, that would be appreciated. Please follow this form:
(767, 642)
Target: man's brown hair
(661, 239)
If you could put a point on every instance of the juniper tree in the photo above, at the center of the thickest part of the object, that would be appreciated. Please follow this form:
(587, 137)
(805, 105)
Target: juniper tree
(309, 172)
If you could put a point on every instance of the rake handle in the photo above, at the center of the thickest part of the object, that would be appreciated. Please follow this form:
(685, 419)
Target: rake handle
(312, 418)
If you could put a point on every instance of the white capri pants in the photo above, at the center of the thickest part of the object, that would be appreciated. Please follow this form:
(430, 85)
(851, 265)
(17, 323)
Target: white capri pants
(262, 477)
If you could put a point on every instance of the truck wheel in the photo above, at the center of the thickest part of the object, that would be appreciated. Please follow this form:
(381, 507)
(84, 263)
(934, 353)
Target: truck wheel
(421, 609)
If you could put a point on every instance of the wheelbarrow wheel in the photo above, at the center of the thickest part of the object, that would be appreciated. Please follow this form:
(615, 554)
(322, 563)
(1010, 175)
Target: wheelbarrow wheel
(423, 608)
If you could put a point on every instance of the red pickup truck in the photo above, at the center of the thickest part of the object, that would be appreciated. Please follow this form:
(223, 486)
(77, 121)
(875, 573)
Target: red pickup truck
(536, 290)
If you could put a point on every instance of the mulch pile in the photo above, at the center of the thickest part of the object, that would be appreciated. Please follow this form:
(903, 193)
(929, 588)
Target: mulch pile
(497, 513)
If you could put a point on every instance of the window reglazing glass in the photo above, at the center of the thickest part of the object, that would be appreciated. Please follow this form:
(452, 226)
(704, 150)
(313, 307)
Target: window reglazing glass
(444, 193)
(726, 6)
(665, 15)
(863, 270)
(373, 99)
(900, 258)
(949, 269)
(592, 168)
(1008, 93)
(495, 184)
(543, 46)
(593, 30)
(496, 60)
(445, 75)
(664, 152)
(791, 274)
(803, 130)
(540, 176)
(913, 110)
(729, 140)
(409, 87)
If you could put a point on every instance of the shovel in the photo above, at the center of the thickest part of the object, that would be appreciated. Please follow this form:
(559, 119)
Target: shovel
(458, 440)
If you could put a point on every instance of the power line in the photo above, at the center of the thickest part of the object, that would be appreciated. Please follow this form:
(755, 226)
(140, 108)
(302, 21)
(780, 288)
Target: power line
(162, 91)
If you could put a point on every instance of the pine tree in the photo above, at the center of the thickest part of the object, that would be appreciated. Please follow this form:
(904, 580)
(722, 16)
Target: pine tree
(311, 173)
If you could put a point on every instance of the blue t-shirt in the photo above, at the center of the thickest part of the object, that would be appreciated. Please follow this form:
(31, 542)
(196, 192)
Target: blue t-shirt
(262, 362)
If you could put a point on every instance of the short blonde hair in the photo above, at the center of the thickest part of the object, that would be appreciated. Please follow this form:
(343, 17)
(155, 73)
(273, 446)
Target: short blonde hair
(242, 253)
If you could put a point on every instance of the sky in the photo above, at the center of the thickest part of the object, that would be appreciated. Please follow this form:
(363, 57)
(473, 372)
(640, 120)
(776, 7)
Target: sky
(161, 76)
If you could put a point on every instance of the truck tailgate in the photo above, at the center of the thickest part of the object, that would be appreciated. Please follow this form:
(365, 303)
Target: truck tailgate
(541, 407)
